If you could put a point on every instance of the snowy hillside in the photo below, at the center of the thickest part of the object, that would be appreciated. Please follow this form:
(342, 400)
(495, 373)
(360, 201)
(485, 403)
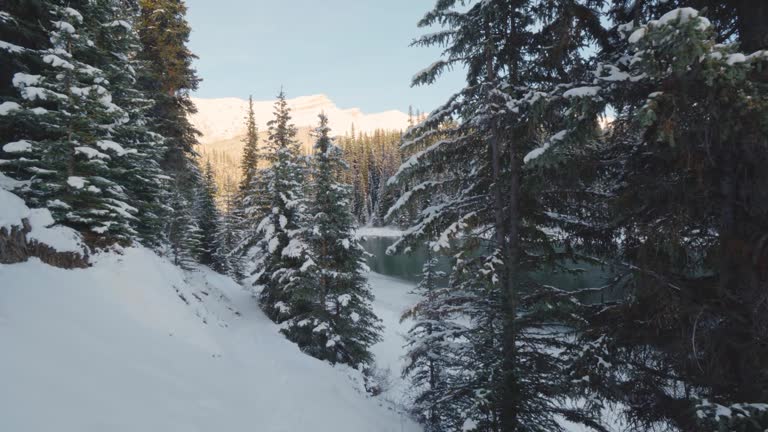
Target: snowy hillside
(135, 344)
(222, 119)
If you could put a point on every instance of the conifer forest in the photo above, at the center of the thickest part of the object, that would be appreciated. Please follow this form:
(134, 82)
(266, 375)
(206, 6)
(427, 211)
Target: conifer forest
(573, 237)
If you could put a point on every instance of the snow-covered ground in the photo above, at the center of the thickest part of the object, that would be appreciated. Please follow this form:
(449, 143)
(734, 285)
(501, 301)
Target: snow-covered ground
(393, 296)
(135, 344)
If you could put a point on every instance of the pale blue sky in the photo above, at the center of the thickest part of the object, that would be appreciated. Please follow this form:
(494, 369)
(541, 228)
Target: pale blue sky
(356, 52)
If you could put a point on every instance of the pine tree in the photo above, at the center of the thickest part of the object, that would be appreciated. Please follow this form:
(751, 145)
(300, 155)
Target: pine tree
(229, 235)
(184, 235)
(79, 169)
(23, 39)
(209, 220)
(680, 169)
(335, 322)
(479, 201)
(284, 259)
(372, 158)
(22, 35)
(139, 168)
(167, 80)
(252, 201)
(251, 157)
(432, 363)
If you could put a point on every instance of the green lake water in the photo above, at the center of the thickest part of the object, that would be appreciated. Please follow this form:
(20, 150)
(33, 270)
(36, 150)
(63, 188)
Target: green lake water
(408, 267)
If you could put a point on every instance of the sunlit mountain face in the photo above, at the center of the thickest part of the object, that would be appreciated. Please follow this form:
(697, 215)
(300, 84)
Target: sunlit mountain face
(223, 119)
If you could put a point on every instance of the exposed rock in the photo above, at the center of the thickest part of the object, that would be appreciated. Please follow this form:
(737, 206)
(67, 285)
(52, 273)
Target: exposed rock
(15, 248)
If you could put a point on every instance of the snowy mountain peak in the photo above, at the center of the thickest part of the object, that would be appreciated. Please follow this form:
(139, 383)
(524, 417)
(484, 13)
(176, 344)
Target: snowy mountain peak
(223, 118)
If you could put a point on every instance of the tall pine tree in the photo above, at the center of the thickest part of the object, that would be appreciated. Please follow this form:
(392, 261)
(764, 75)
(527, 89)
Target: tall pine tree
(86, 164)
(334, 320)
(681, 177)
(283, 258)
(168, 80)
(480, 204)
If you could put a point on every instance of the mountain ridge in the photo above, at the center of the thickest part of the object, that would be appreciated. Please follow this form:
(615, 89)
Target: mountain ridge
(220, 119)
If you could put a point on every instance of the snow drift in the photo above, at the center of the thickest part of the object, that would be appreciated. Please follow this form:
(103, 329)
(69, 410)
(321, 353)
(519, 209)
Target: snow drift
(135, 344)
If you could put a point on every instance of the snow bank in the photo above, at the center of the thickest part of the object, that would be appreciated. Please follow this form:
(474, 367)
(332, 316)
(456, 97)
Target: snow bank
(135, 344)
(60, 238)
(41, 222)
(12, 210)
(393, 297)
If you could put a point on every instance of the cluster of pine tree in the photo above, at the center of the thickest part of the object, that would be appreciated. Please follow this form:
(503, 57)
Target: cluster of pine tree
(94, 127)
(628, 134)
(93, 122)
(289, 231)
(372, 159)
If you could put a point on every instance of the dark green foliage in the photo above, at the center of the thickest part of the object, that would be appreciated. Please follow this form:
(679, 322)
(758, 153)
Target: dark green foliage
(682, 168)
(284, 253)
(167, 79)
(22, 33)
(251, 157)
(372, 159)
(79, 144)
(252, 202)
(433, 364)
(184, 235)
(481, 204)
(209, 221)
(334, 320)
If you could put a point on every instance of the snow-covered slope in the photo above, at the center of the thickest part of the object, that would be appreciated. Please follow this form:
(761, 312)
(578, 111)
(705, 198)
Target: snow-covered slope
(222, 119)
(393, 297)
(135, 344)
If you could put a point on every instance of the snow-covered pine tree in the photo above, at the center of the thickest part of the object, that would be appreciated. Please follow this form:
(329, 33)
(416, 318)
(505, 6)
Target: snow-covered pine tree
(76, 163)
(251, 200)
(167, 80)
(229, 235)
(334, 319)
(283, 258)
(139, 167)
(682, 170)
(184, 234)
(249, 164)
(433, 362)
(22, 39)
(169, 77)
(480, 203)
(208, 220)
(22, 34)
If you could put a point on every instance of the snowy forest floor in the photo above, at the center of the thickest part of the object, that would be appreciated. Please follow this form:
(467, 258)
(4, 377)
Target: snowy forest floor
(134, 343)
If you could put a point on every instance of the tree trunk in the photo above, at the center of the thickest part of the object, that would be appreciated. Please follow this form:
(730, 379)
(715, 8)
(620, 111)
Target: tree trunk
(752, 20)
(511, 394)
